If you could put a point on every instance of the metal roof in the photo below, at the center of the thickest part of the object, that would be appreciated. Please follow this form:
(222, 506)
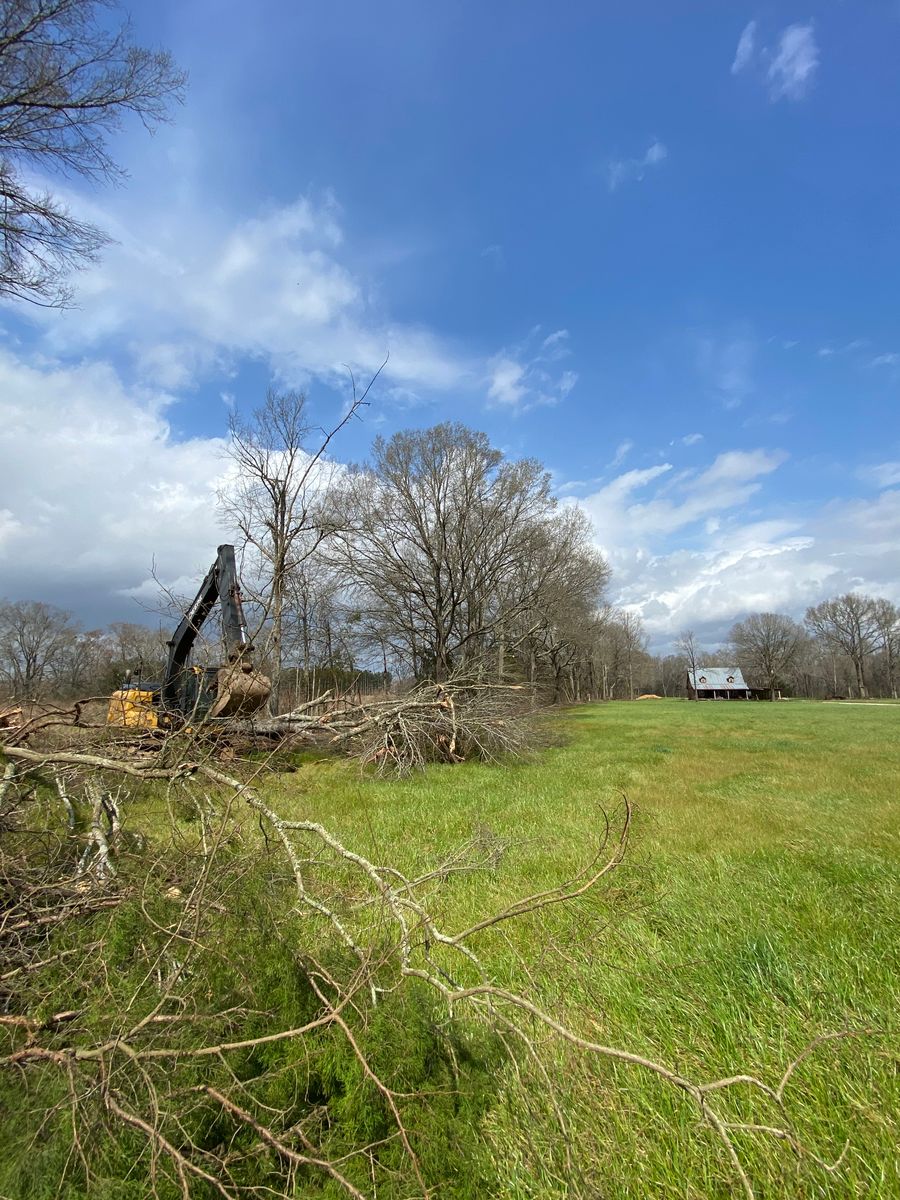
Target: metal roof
(717, 679)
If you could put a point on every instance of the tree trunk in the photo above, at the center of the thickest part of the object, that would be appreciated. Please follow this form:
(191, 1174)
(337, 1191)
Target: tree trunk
(860, 679)
(277, 623)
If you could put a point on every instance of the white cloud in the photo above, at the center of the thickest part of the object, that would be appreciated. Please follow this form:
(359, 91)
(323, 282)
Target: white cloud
(788, 68)
(745, 48)
(95, 486)
(728, 482)
(884, 475)
(527, 376)
(885, 360)
(622, 451)
(183, 296)
(566, 382)
(185, 292)
(495, 256)
(626, 170)
(506, 378)
(702, 549)
(691, 439)
(793, 67)
(555, 345)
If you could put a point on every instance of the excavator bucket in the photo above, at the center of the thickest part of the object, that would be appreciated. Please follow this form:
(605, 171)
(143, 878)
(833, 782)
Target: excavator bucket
(240, 692)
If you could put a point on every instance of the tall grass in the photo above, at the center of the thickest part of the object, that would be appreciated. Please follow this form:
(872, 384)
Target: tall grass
(758, 909)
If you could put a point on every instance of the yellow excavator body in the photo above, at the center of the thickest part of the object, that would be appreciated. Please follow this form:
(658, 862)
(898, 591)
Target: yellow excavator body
(134, 708)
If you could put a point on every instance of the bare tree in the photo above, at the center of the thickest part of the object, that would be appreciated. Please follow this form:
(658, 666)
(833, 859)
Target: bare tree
(66, 82)
(766, 644)
(280, 500)
(635, 641)
(139, 649)
(847, 624)
(668, 674)
(437, 534)
(33, 639)
(617, 650)
(686, 646)
(887, 624)
(551, 605)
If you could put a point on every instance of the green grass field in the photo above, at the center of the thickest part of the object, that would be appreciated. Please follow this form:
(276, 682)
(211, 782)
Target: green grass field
(758, 908)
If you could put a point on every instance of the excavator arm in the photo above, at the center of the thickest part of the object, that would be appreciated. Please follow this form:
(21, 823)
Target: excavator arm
(238, 688)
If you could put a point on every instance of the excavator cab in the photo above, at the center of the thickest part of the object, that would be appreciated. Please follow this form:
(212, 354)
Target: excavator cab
(194, 693)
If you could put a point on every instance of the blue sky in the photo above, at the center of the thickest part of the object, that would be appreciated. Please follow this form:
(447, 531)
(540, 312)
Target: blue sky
(655, 245)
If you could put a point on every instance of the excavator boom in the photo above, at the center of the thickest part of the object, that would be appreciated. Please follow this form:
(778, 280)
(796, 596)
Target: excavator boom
(232, 690)
(239, 690)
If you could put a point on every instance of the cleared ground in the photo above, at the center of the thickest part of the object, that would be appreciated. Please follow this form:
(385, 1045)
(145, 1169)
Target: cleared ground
(759, 908)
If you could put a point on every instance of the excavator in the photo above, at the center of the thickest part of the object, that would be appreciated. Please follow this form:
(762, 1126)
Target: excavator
(188, 693)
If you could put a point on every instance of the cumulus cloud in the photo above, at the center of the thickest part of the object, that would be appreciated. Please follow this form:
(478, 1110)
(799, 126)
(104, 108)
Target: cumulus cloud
(787, 68)
(184, 293)
(701, 549)
(629, 170)
(95, 487)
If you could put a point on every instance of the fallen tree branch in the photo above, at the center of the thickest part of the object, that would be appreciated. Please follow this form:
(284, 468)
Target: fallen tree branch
(409, 945)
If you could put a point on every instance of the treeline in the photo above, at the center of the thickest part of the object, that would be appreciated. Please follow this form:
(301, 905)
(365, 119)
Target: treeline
(437, 556)
(46, 652)
(846, 647)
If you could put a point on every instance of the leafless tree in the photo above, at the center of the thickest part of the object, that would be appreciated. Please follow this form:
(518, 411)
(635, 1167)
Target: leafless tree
(617, 652)
(635, 641)
(686, 646)
(33, 639)
(551, 604)
(280, 499)
(887, 624)
(766, 644)
(437, 532)
(668, 674)
(67, 80)
(138, 648)
(847, 624)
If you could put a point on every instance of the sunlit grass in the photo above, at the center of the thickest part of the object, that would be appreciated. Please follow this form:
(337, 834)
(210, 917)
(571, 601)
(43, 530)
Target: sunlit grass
(758, 908)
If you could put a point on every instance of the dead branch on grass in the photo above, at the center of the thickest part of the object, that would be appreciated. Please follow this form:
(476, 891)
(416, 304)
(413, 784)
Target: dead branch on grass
(462, 719)
(389, 930)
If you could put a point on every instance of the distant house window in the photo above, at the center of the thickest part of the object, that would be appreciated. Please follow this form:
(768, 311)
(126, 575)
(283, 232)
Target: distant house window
(703, 679)
(730, 679)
